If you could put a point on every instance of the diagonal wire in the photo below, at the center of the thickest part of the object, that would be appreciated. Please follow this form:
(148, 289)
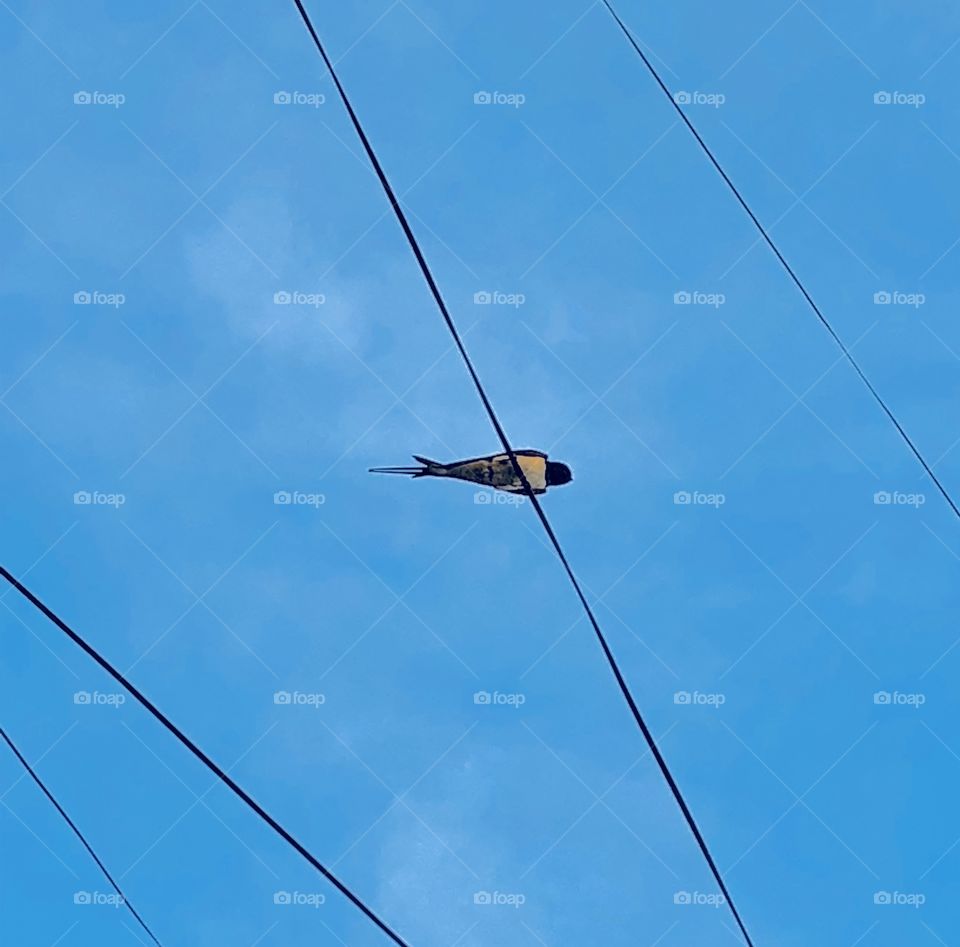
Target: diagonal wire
(783, 260)
(78, 833)
(227, 780)
(495, 421)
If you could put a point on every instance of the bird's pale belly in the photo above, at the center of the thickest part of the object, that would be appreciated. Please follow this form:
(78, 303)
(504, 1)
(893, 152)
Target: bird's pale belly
(499, 473)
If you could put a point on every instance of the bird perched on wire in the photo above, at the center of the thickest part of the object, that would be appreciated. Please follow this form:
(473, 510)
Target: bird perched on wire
(495, 470)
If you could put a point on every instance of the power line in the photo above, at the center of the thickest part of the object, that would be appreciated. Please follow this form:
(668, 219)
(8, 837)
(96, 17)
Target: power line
(441, 304)
(790, 271)
(234, 787)
(78, 834)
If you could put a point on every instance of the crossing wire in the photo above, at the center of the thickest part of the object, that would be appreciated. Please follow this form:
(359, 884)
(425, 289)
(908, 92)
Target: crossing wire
(783, 260)
(227, 780)
(76, 831)
(498, 427)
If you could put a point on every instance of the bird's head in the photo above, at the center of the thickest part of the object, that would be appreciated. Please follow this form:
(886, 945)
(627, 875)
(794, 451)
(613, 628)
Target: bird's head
(558, 474)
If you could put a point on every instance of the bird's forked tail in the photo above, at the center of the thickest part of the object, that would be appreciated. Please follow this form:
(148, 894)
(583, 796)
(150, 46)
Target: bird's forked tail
(430, 468)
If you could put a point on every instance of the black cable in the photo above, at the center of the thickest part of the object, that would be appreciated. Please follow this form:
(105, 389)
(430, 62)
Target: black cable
(200, 755)
(435, 291)
(790, 271)
(78, 834)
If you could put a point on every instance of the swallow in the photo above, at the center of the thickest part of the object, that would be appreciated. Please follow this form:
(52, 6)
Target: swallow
(495, 471)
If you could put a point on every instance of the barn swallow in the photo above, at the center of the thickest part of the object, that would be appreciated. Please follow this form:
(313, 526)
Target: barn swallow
(495, 471)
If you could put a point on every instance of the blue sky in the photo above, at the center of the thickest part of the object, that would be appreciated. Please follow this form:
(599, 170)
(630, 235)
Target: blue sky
(181, 398)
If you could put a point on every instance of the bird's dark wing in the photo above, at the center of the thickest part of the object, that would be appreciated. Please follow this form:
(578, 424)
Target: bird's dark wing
(473, 460)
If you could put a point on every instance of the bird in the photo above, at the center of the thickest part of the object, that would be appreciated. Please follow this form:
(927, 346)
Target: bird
(495, 470)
